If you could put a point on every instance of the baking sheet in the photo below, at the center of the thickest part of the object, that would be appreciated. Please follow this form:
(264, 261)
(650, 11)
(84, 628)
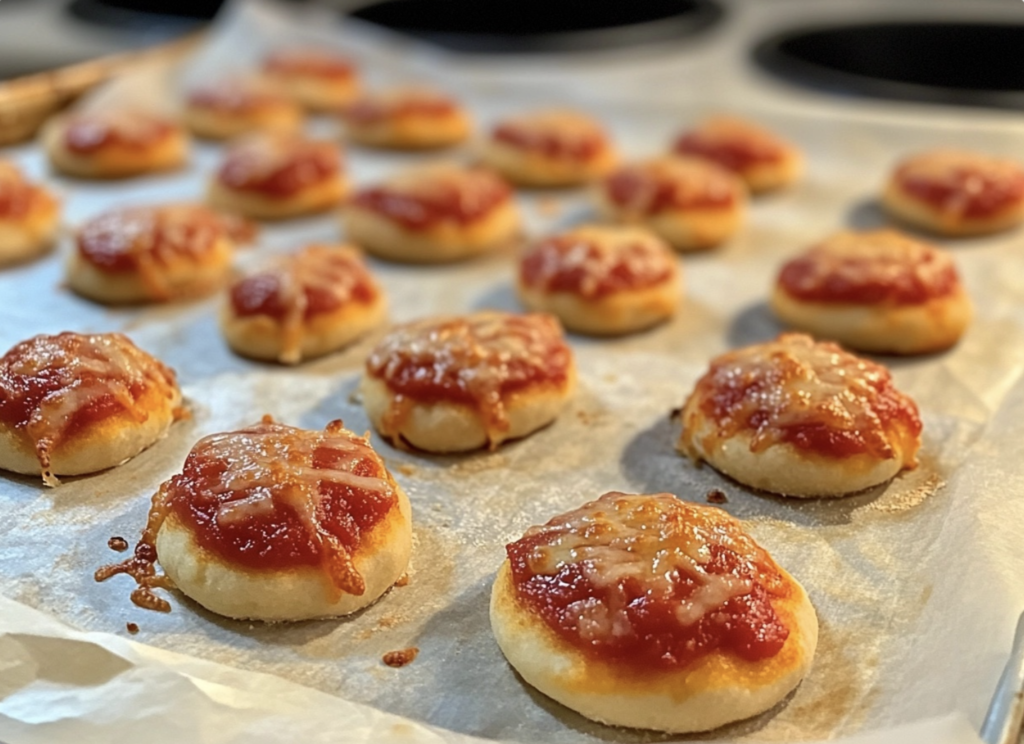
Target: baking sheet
(916, 584)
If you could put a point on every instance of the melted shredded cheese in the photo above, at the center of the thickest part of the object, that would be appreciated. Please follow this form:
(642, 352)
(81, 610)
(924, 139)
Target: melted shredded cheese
(655, 542)
(672, 183)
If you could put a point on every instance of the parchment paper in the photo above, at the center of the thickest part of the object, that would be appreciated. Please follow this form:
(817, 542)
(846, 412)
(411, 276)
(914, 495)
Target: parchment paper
(916, 584)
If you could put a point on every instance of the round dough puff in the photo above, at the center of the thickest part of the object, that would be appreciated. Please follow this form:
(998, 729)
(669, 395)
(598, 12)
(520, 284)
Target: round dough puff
(406, 118)
(318, 79)
(601, 280)
(274, 175)
(299, 592)
(228, 108)
(477, 347)
(791, 384)
(67, 359)
(549, 149)
(29, 217)
(151, 254)
(693, 204)
(956, 193)
(114, 143)
(458, 213)
(764, 161)
(878, 291)
(335, 275)
(714, 690)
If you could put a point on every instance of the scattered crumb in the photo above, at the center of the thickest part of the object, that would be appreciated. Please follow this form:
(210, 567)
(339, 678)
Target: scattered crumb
(549, 207)
(401, 658)
(897, 500)
(583, 416)
(675, 413)
(132, 628)
(407, 469)
(355, 398)
(403, 580)
(117, 543)
(716, 496)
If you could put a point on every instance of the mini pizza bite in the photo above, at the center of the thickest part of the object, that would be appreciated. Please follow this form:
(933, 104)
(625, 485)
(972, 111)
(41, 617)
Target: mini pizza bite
(956, 192)
(763, 160)
(153, 253)
(459, 383)
(75, 403)
(650, 612)
(114, 143)
(227, 108)
(433, 214)
(692, 203)
(310, 303)
(29, 217)
(406, 118)
(800, 418)
(877, 291)
(601, 280)
(275, 523)
(549, 148)
(273, 175)
(318, 79)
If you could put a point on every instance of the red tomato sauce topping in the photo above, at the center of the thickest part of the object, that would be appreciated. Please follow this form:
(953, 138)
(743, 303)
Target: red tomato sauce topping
(272, 497)
(89, 132)
(310, 62)
(734, 144)
(236, 97)
(404, 103)
(594, 264)
(881, 267)
(665, 184)
(814, 396)
(317, 280)
(426, 197)
(651, 582)
(554, 135)
(278, 166)
(962, 184)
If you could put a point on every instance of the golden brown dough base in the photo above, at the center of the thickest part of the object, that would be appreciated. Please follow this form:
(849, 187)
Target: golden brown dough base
(26, 238)
(883, 329)
(712, 692)
(441, 243)
(113, 160)
(285, 595)
(906, 208)
(100, 446)
(615, 314)
(218, 125)
(528, 168)
(686, 230)
(313, 199)
(124, 288)
(412, 133)
(445, 426)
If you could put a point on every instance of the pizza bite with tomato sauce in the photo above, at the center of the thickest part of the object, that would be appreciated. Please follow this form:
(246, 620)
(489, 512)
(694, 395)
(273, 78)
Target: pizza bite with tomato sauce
(75, 403)
(877, 291)
(762, 159)
(227, 108)
(956, 192)
(274, 523)
(114, 143)
(549, 148)
(601, 280)
(692, 203)
(29, 217)
(318, 79)
(153, 253)
(800, 418)
(273, 175)
(406, 118)
(307, 304)
(651, 612)
(432, 214)
(455, 384)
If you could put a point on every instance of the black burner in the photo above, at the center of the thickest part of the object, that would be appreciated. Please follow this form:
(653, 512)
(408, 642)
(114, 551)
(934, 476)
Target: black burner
(976, 64)
(542, 25)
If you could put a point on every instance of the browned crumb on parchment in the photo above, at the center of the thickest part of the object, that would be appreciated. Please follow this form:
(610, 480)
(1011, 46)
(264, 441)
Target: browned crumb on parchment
(401, 658)
(132, 628)
(716, 496)
(407, 469)
(117, 543)
(908, 493)
(403, 580)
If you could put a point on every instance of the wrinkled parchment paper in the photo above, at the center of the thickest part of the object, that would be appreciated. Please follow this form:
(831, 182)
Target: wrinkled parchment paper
(917, 584)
